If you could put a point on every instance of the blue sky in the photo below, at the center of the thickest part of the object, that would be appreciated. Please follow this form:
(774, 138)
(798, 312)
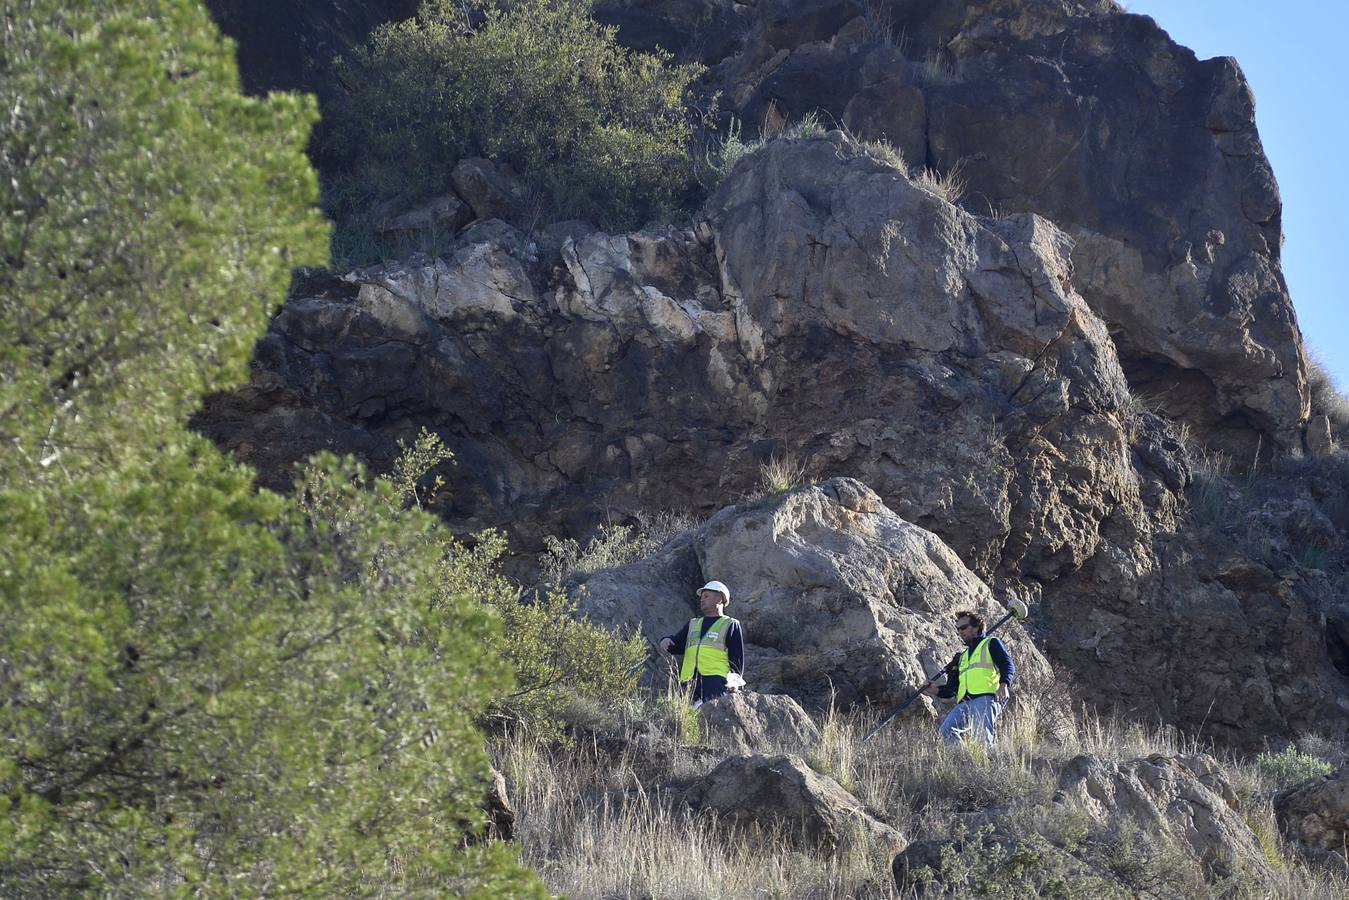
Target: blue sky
(1293, 54)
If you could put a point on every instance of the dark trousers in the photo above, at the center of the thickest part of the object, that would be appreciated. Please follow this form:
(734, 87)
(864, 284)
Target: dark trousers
(707, 687)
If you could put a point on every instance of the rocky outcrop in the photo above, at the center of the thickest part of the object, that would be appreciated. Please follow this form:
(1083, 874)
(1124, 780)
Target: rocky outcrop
(1072, 109)
(1096, 120)
(749, 722)
(829, 309)
(783, 795)
(1315, 814)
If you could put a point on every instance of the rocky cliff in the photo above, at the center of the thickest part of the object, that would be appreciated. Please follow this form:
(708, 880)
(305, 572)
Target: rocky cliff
(978, 367)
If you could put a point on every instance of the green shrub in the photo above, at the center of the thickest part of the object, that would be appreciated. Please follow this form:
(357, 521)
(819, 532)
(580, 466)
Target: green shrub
(610, 547)
(556, 655)
(1290, 766)
(537, 84)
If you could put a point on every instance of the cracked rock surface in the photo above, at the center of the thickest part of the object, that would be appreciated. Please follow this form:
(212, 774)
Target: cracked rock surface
(826, 307)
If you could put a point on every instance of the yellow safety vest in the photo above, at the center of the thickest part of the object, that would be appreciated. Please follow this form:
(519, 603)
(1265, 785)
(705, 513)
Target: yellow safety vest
(706, 655)
(978, 674)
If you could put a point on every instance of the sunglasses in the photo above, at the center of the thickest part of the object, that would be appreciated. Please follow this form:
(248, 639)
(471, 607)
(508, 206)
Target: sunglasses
(962, 627)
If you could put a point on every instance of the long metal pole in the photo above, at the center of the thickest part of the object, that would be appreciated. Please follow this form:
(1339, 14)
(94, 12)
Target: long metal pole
(918, 693)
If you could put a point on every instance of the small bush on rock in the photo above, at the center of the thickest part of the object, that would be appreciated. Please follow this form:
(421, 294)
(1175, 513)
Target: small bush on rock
(537, 84)
(1290, 766)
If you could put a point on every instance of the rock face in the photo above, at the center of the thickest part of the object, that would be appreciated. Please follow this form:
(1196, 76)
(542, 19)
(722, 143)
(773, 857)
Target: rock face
(287, 45)
(841, 600)
(782, 793)
(749, 722)
(1096, 120)
(829, 309)
(1316, 813)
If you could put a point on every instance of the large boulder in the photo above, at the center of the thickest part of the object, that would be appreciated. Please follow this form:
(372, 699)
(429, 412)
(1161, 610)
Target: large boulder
(750, 722)
(1315, 813)
(1186, 798)
(782, 794)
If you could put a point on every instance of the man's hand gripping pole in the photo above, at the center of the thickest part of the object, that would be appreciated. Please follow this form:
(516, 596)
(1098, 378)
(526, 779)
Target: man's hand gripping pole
(1016, 608)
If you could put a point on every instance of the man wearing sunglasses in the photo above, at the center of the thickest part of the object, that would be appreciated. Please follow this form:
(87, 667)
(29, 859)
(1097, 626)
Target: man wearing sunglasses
(984, 674)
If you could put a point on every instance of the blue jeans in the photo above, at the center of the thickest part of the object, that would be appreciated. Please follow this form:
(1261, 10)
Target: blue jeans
(972, 718)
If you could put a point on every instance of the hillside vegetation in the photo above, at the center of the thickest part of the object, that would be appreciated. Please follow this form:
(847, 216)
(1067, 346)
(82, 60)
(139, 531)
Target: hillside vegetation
(337, 687)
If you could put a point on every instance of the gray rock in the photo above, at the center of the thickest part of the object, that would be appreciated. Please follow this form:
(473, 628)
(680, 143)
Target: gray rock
(442, 216)
(1315, 813)
(489, 189)
(783, 794)
(749, 722)
(1185, 797)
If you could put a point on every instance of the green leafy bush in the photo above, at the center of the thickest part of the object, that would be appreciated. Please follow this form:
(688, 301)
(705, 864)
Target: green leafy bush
(556, 655)
(204, 688)
(1290, 766)
(537, 84)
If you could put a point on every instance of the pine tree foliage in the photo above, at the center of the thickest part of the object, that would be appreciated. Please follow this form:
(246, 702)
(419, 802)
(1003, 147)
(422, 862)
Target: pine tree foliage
(204, 688)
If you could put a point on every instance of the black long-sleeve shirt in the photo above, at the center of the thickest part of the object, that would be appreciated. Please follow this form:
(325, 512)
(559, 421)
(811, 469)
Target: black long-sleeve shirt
(997, 651)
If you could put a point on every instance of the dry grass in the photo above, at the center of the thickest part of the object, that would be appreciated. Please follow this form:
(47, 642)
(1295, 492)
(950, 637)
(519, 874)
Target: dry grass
(598, 825)
(949, 186)
(780, 474)
(592, 829)
(1327, 397)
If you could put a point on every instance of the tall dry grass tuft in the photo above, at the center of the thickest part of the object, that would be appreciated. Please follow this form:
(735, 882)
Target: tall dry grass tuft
(949, 185)
(781, 474)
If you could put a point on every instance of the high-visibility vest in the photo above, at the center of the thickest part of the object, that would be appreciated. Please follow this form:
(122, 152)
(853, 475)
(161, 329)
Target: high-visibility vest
(978, 674)
(706, 655)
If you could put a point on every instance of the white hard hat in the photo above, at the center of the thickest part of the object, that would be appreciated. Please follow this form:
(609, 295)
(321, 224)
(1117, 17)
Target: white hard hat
(718, 587)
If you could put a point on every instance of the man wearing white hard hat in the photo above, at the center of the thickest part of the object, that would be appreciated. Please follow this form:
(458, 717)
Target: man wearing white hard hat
(711, 647)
